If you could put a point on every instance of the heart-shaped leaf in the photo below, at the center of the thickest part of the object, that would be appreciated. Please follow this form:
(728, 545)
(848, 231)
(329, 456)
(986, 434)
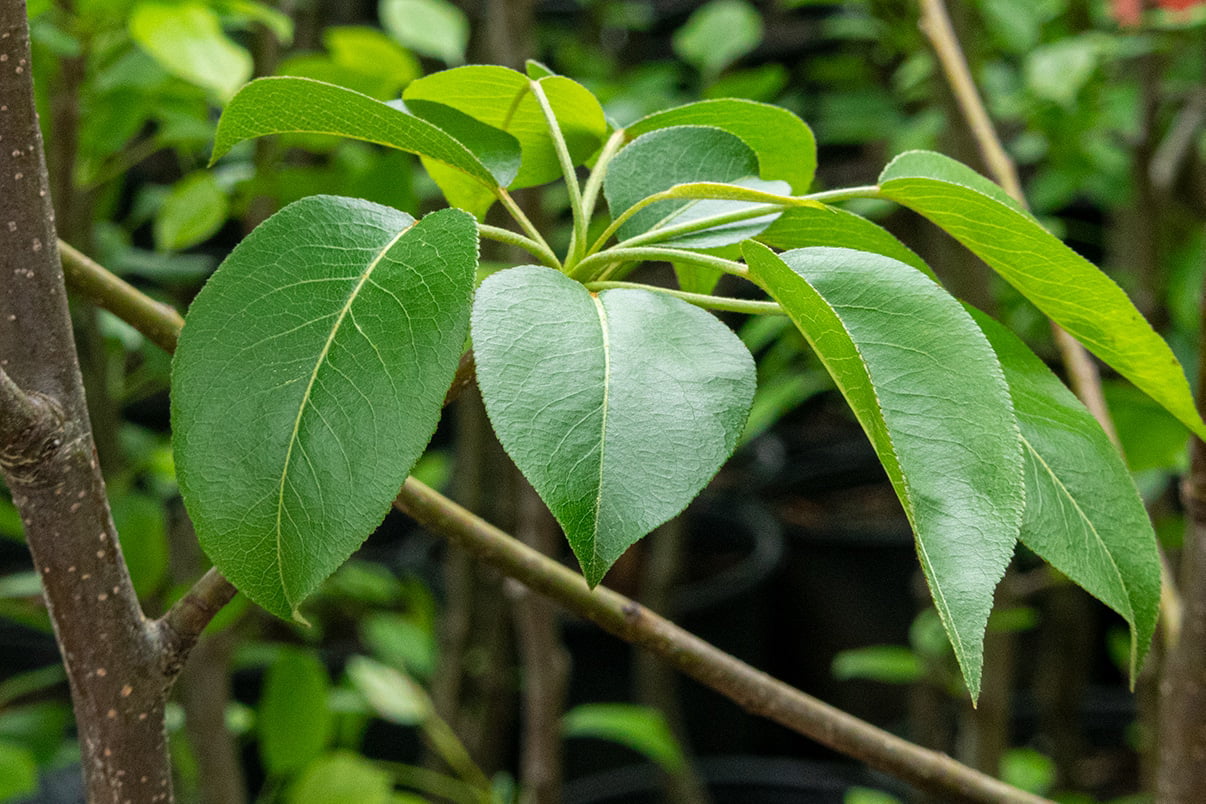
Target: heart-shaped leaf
(1083, 513)
(686, 155)
(502, 97)
(618, 407)
(1061, 283)
(283, 105)
(308, 379)
(927, 388)
(784, 143)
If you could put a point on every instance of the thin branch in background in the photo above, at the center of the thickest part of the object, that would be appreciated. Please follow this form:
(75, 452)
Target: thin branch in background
(1082, 371)
(750, 688)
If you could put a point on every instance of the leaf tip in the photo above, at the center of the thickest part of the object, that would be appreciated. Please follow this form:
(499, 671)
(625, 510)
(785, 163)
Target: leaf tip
(297, 617)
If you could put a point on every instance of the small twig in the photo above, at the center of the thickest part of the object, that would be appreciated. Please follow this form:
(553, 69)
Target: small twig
(183, 623)
(1083, 374)
(159, 322)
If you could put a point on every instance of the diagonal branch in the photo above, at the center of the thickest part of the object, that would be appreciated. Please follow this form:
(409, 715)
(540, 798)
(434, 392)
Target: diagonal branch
(754, 690)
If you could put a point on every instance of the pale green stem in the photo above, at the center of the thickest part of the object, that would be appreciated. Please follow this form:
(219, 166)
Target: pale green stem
(578, 240)
(523, 220)
(613, 255)
(594, 183)
(845, 194)
(705, 301)
(537, 250)
(663, 234)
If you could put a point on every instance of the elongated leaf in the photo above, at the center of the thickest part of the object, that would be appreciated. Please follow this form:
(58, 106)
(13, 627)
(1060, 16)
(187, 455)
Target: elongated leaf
(187, 40)
(687, 156)
(618, 407)
(803, 227)
(1083, 513)
(784, 143)
(502, 97)
(928, 390)
(291, 734)
(309, 377)
(299, 105)
(1058, 281)
(641, 728)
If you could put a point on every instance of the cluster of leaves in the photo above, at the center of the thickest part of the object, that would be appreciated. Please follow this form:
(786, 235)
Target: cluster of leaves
(313, 366)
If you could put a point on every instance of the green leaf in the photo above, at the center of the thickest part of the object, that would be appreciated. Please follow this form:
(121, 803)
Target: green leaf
(1083, 514)
(18, 771)
(341, 778)
(390, 694)
(890, 664)
(928, 390)
(294, 723)
(193, 211)
(434, 28)
(309, 377)
(618, 407)
(717, 34)
(784, 143)
(801, 227)
(370, 53)
(186, 39)
(640, 728)
(142, 525)
(685, 155)
(298, 105)
(1065, 286)
(502, 98)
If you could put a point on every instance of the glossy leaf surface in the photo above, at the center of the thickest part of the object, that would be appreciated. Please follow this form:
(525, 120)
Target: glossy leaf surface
(928, 390)
(1083, 513)
(784, 143)
(309, 377)
(1061, 283)
(618, 407)
(300, 105)
(502, 97)
(685, 155)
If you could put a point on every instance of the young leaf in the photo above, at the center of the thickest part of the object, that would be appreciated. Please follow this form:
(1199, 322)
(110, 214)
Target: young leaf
(684, 155)
(928, 390)
(299, 105)
(618, 407)
(1083, 514)
(187, 40)
(1062, 284)
(784, 143)
(309, 377)
(292, 735)
(801, 227)
(434, 28)
(502, 97)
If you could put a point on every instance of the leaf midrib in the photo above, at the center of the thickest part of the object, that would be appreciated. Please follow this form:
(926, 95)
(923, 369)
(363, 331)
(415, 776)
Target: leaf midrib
(305, 400)
(595, 557)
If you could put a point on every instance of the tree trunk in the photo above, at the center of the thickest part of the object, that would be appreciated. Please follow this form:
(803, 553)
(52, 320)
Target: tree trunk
(111, 652)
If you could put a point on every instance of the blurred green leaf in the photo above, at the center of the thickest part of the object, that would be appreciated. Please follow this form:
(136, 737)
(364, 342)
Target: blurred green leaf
(294, 724)
(718, 34)
(1151, 437)
(1059, 70)
(891, 664)
(371, 53)
(400, 641)
(40, 728)
(1029, 770)
(18, 771)
(392, 695)
(192, 212)
(433, 28)
(142, 527)
(866, 795)
(186, 38)
(641, 728)
(341, 778)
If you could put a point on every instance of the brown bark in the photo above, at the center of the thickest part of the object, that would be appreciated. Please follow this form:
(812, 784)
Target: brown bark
(111, 653)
